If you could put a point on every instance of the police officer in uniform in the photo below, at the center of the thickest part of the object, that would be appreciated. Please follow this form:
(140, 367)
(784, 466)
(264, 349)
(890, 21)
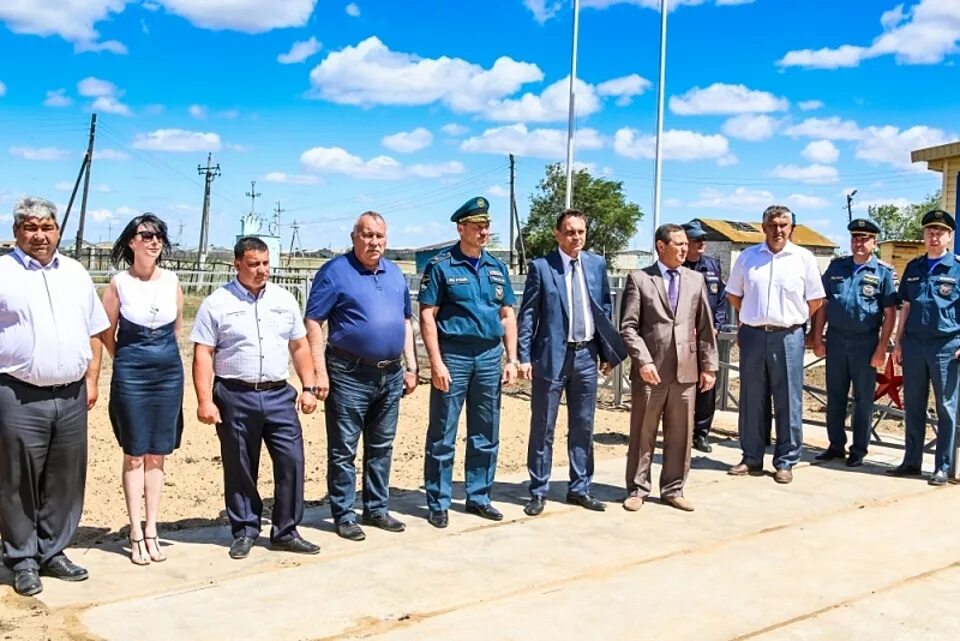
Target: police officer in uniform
(861, 300)
(928, 345)
(709, 266)
(467, 323)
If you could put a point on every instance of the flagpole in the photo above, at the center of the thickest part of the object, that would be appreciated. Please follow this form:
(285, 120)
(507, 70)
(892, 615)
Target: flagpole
(570, 115)
(658, 158)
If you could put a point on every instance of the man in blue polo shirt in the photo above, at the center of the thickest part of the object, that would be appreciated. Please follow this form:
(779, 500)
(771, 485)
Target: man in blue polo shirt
(360, 370)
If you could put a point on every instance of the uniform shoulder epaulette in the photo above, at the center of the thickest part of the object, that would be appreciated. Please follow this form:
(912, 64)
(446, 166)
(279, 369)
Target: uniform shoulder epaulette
(837, 259)
(918, 259)
(884, 263)
(439, 258)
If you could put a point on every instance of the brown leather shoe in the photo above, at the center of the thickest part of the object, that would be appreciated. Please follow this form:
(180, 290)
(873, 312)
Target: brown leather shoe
(742, 469)
(679, 502)
(784, 475)
(633, 503)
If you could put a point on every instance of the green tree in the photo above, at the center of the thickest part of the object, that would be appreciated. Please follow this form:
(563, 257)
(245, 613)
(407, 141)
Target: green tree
(612, 220)
(902, 223)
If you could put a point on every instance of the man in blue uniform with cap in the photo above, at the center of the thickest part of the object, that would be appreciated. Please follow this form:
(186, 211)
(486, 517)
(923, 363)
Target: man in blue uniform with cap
(467, 322)
(928, 345)
(709, 266)
(861, 301)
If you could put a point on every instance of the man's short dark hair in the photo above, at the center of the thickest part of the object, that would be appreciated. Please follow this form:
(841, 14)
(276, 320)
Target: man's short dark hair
(666, 230)
(570, 213)
(248, 244)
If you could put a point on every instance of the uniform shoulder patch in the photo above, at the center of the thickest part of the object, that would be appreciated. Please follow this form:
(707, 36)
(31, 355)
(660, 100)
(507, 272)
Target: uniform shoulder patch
(439, 258)
(883, 263)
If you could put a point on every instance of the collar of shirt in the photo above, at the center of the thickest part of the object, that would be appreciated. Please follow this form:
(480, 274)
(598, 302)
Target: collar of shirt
(664, 269)
(459, 257)
(947, 260)
(566, 258)
(32, 264)
(363, 269)
(788, 249)
(245, 294)
(870, 264)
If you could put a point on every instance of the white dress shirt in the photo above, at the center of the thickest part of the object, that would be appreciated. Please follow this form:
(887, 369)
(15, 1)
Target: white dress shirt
(568, 280)
(47, 316)
(775, 288)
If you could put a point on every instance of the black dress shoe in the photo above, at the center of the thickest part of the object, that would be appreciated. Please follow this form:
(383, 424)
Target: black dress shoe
(64, 569)
(27, 583)
(534, 506)
(938, 478)
(701, 444)
(854, 461)
(587, 501)
(350, 531)
(296, 545)
(240, 548)
(438, 518)
(486, 511)
(383, 522)
(904, 470)
(829, 454)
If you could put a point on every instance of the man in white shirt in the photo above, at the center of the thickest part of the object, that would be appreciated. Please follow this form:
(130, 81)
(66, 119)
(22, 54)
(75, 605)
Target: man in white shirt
(50, 352)
(776, 287)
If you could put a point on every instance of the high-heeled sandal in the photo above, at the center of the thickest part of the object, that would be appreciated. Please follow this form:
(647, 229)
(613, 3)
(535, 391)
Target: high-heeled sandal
(158, 556)
(138, 552)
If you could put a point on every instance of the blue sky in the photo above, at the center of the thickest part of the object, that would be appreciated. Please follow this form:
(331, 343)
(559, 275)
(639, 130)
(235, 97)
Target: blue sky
(410, 108)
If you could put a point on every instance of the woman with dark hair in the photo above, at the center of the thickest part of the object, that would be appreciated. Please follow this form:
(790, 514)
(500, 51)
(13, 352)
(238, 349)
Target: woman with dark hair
(145, 306)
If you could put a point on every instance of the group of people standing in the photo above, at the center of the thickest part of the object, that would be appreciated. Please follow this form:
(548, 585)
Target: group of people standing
(354, 351)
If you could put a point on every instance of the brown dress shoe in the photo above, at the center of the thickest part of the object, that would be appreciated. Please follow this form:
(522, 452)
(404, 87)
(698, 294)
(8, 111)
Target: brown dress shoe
(784, 475)
(742, 469)
(633, 503)
(678, 502)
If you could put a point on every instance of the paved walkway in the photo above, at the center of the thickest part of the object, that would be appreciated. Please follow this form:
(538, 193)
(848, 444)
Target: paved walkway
(837, 554)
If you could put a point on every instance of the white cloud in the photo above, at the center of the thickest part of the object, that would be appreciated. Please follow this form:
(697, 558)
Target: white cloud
(498, 191)
(815, 174)
(39, 153)
(408, 142)
(926, 34)
(720, 98)
(57, 98)
(111, 105)
(197, 111)
(102, 215)
(810, 105)
(553, 105)
(291, 179)
(177, 140)
(678, 144)
(833, 128)
(352, 10)
(3, 89)
(249, 16)
(300, 51)
(111, 46)
(538, 143)
(371, 74)
(624, 88)
(892, 146)
(803, 201)
(753, 127)
(73, 21)
(543, 10)
(336, 160)
(453, 129)
(111, 154)
(741, 198)
(230, 114)
(821, 151)
(91, 87)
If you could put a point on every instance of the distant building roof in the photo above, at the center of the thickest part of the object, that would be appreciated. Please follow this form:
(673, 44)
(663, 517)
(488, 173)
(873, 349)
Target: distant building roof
(744, 232)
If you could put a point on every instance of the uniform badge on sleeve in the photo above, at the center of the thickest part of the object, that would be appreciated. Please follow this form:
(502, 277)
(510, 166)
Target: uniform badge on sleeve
(869, 290)
(946, 289)
(498, 292)
(714, 288)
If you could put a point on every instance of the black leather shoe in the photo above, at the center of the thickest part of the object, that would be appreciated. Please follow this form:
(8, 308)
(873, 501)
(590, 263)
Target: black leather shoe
(240, 548)
(27, 583)
(534, 506)
(383, 522)
(829, 454)
(938, 478)
(296, 545)
(587, 501)
(350, 531)
(64, 569)
(486, 511)
(904, 470)
(438, 518)
(854, 461)
(701, 444)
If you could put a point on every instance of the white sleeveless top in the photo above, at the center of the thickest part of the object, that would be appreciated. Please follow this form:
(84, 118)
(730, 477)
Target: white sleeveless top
(150, 303)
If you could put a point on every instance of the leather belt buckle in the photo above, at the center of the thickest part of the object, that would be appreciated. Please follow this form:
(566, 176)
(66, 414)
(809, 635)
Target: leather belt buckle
(578, 345)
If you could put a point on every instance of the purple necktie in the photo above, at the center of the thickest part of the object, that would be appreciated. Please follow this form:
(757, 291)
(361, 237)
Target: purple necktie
(672, 293)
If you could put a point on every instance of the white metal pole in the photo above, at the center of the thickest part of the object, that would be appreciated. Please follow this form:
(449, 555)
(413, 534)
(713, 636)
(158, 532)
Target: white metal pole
(570, 115)
(658, 159)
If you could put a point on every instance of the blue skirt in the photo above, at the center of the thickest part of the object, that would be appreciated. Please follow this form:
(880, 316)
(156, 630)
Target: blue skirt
(146, 391)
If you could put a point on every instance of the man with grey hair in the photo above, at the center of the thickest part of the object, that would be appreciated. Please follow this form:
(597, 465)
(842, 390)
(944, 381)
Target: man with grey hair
(363, 368)
(50, 353)
(776, 287)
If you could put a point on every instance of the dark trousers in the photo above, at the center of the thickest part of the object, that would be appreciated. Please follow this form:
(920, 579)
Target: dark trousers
(703, 410)
(249, 418)
(848, 362)
(929, 363)
(43, 470)
(578, 379)
(363, 400)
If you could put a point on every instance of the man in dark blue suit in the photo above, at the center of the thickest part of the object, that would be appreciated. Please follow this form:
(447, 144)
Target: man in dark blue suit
(565, 328)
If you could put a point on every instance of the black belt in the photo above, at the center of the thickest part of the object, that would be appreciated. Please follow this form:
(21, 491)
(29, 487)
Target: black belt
(776, 328)
(46, 388)
(262, 386)
(392, 363)
(578, 345)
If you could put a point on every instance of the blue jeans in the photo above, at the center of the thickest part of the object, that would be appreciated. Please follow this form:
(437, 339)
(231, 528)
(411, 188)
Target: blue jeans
(475, 378)
(362, 400)
(927, 362)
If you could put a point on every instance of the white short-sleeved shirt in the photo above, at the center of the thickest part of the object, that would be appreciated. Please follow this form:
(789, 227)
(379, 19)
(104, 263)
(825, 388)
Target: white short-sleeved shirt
(775, 288)
(47, 316)
(151, 303)
(250, 335)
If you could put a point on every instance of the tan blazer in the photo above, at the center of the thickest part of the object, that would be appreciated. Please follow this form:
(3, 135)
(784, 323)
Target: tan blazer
(680, 346)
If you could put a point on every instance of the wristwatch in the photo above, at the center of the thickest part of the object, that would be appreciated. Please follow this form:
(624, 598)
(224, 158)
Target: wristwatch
(312, 390)
(412, 370)
(513, 362)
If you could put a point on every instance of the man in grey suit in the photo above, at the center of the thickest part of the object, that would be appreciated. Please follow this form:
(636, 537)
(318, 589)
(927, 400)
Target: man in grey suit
(667, 325)
(564, 329)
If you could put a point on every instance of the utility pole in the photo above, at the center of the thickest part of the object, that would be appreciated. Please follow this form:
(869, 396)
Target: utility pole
(512, 264)
(179, 234)
(850, 205)
(294, 238)
(86, 186)
(209, 173)
(274, 227)
(253, 194)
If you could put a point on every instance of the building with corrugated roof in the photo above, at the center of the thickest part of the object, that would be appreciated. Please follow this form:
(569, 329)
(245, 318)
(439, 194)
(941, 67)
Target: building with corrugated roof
(946, 160)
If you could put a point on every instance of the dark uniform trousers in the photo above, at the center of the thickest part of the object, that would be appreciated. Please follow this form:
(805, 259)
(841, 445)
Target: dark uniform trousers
(43, 470)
